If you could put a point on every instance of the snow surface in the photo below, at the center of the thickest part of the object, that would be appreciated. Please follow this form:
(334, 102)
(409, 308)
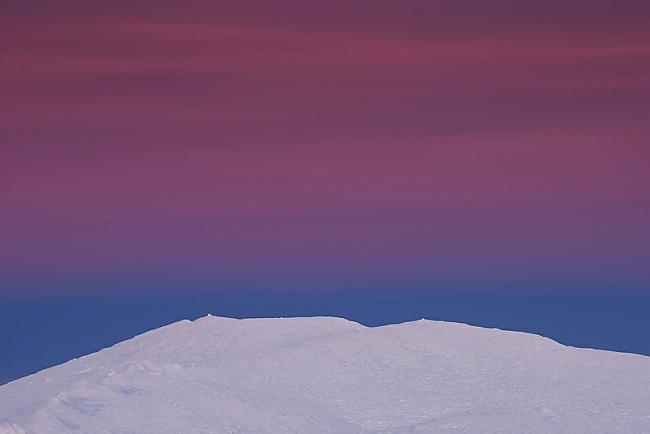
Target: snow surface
(330, 375)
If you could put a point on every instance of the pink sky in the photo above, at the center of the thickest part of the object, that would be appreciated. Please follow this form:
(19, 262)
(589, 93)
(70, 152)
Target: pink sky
(424, 146)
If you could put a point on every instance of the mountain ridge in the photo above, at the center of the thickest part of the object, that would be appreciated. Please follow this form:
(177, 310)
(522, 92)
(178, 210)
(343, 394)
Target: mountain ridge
(332, 375)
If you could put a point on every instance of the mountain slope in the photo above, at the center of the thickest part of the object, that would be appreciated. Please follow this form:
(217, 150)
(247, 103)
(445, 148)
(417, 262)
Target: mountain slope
(329, 375)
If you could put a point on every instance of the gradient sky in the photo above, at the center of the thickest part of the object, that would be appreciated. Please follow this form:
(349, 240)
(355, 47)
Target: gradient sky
(342, 146)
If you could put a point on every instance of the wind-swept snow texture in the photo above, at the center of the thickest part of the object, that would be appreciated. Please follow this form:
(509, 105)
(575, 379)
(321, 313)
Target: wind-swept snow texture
(330, 375)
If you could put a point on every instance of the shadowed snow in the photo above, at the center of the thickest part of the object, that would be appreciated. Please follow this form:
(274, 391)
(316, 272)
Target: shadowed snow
(330, 375)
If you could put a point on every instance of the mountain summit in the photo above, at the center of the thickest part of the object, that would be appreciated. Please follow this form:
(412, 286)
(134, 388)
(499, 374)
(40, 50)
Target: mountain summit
(330, 375)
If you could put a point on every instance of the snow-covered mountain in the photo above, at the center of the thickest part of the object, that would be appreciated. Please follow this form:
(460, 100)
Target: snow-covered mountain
(330, 375)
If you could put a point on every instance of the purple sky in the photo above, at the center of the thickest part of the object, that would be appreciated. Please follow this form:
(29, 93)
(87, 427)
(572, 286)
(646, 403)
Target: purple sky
(423, 146)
